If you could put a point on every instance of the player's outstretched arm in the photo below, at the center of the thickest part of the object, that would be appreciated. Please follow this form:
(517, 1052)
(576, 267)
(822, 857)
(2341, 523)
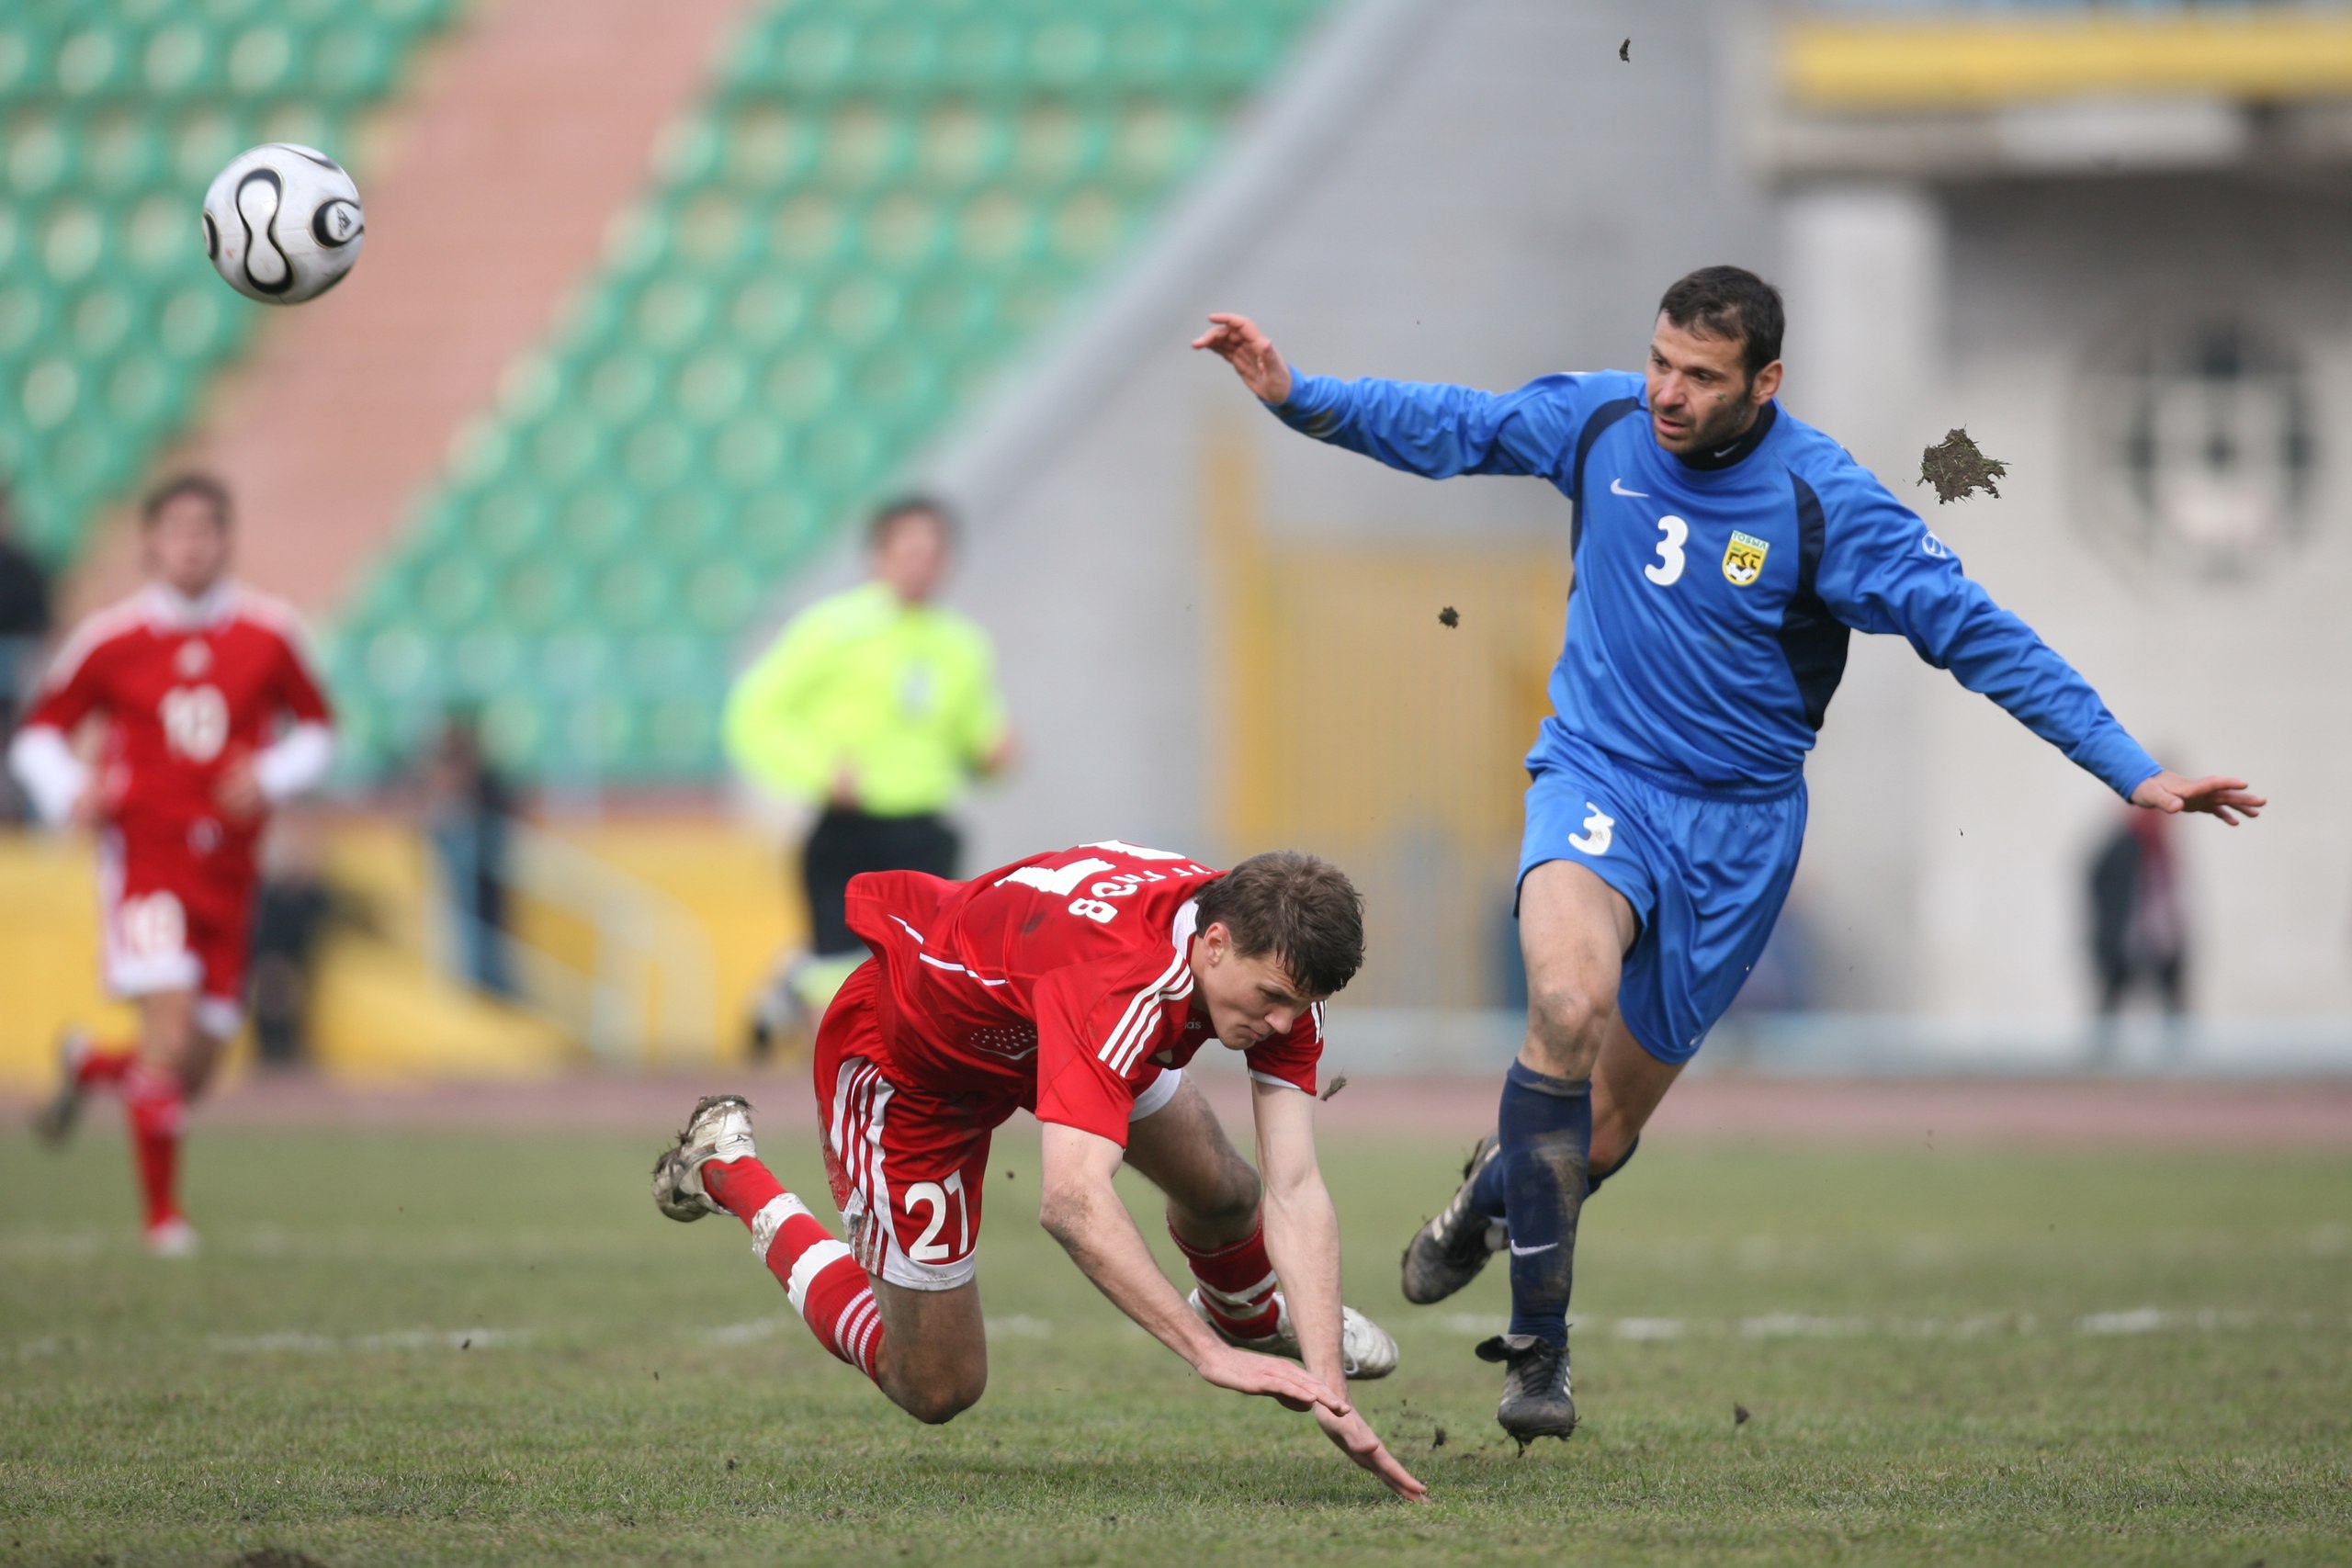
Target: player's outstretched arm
(1426, 428)
(1081, 1211)
(2216, 794)
(1303, 1239)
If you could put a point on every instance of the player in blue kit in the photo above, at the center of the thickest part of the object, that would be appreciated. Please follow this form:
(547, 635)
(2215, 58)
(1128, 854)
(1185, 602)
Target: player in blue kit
(1724, 551)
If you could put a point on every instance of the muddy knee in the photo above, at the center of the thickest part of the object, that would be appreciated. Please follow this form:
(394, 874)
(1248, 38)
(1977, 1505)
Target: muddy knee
(1564, 1030)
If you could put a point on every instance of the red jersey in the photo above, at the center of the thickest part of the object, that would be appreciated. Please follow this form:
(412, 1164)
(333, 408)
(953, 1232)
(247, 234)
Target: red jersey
(184, 686)
(1060, 984)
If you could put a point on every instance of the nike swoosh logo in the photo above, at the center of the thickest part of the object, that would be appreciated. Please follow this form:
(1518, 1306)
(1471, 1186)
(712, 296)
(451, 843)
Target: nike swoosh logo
(1518, 1251)
(1617, 487)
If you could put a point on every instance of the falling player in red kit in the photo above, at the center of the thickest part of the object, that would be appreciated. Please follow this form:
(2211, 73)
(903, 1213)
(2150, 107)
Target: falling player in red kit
(1077, 985)
(211, 715)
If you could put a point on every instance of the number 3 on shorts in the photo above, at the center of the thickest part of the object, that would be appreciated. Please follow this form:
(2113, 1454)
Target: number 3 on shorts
(935, 1196)
(1598, 828)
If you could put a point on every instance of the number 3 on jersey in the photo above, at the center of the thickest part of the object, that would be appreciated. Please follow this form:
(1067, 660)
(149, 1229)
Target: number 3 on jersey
(1668, 565)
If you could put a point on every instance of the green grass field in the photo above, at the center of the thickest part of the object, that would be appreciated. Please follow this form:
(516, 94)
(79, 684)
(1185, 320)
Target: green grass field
(404, 1348)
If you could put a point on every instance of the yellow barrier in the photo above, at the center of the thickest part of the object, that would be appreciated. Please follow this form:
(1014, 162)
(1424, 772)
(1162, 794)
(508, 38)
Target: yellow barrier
(2273, 55)
(381, 1010)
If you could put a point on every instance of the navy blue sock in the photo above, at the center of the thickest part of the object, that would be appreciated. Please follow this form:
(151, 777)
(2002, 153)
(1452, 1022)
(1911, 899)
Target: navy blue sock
(1547, 1131)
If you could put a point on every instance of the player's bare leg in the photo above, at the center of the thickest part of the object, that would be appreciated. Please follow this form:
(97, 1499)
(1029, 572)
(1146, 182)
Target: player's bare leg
(1574, 931)
(1213, 1201)
(934, 1357)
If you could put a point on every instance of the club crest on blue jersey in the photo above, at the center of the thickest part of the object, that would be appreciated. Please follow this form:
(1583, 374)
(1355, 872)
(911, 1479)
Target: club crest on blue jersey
(1744, 559)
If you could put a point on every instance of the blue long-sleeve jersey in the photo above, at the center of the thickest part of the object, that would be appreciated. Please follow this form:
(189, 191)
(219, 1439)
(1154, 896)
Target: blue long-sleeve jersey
(1711, 606)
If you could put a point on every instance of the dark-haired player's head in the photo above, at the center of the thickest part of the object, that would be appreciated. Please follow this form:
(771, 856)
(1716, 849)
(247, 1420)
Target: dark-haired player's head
(184, 523)
(1274, 935)
(910, 539)
(1715, 358)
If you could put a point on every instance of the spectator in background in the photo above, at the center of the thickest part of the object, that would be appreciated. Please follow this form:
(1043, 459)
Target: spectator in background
(25, 621)
(290, 914)
(2139, 922)
(466, 805)
(877, 706)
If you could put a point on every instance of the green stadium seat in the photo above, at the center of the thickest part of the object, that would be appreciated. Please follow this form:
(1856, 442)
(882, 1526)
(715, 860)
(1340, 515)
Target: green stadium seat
(453, 593)
(143, 390)
(573, 660)
(712, 385)
(658, 453)
(538, 595)
(748, 454)
(203, 139)
(89, 61)
(685, 525)
(812, 55)
(101, 318)
(621, 387)
(513, 520)
(766, 145)
(565, 447)
(26, 54)
(631, 596)
(352, 61)
(263, 60)
(593, 522)
(859, 310)
(801, 384)
(809, 231)
(483, 664)
(39, 155)
(767, 306)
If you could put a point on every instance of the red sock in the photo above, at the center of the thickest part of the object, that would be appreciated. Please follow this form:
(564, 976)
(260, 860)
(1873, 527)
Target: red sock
(151, 1099)
(828, 1287)
(1237, 1284)
(104, 1065)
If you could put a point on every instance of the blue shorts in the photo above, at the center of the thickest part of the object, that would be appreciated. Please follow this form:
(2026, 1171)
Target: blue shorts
(1706, 874)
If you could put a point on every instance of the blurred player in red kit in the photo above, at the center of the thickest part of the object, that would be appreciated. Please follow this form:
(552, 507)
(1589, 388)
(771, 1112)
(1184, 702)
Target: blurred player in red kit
(1077, 984)
(211, 714)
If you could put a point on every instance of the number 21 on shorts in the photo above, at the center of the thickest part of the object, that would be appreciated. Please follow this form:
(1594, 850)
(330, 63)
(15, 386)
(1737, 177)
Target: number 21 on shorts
(938, 1197)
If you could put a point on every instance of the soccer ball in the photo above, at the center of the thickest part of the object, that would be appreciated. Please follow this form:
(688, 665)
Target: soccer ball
(282, 223)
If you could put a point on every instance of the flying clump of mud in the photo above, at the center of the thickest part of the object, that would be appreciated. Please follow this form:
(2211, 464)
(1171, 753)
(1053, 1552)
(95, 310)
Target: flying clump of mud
(1957, 468)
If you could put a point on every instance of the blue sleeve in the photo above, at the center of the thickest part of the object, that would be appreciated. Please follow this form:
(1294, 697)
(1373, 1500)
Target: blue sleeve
(1438, 432)
(1883, 570)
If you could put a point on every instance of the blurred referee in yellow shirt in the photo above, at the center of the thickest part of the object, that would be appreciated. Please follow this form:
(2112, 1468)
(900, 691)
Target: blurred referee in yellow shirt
(878, 706)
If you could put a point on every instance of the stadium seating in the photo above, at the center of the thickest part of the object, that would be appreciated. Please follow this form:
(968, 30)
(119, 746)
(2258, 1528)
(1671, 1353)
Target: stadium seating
(877, 203)
(114, 116)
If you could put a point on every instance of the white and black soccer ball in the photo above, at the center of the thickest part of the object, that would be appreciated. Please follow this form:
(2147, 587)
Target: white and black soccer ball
(282, 223)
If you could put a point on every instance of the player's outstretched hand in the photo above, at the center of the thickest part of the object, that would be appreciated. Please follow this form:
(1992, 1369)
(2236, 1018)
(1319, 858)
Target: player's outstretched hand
(1356, 1439)
(2216, 794)
(1245, 1371)
(1237, 341)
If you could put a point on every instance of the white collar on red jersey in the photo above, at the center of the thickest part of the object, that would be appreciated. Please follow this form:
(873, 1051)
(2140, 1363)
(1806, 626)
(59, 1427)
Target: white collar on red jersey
(168, 607)
(1187, 920)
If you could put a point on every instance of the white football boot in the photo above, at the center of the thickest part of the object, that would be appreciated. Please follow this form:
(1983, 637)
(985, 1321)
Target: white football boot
(1365, 1349)
(720, 1129)
(173, 1237)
